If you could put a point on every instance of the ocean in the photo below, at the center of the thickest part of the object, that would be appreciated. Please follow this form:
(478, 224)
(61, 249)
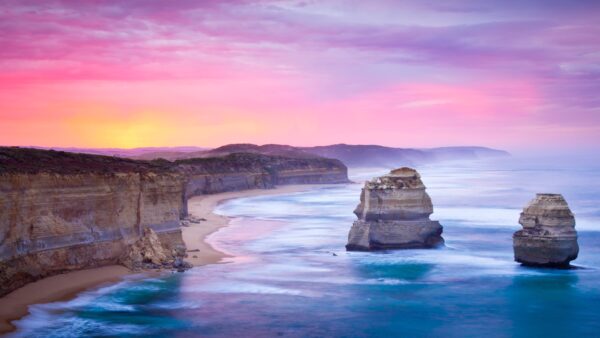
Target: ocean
(290, 275)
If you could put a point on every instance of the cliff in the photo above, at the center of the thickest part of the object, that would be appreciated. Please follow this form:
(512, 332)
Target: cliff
(393, 213)
(240, 171)
(63, 211)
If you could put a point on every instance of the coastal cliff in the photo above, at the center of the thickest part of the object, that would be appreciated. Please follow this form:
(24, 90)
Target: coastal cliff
(241, 171)
(63, 211)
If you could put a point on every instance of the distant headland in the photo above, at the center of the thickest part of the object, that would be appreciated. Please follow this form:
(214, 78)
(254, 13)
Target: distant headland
(352, 155)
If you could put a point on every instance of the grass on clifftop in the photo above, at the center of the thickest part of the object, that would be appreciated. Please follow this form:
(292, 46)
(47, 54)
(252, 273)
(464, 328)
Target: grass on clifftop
(28, 160)
(31, 161)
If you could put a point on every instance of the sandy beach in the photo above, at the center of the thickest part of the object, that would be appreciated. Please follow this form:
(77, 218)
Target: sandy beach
(60, 287)
(66, 286)
(199, 251)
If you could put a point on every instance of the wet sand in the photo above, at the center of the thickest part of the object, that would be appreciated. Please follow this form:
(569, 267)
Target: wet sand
(199, 251)
(51, 289)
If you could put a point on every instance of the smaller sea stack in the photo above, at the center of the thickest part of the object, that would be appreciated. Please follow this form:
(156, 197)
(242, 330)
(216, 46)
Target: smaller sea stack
(394, 213)
(548, 238)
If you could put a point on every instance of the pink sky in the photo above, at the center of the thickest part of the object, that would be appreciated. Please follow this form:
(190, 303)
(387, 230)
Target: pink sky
(505, 74)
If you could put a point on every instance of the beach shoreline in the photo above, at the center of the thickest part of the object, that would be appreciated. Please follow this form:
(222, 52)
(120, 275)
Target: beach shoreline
(200, 252)
(15, 305)
(66, 286)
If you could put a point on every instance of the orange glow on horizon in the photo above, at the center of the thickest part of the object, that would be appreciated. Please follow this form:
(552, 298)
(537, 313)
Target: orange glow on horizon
(190, 74)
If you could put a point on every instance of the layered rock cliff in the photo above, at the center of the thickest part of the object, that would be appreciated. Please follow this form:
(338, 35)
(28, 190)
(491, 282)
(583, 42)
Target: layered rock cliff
(241, 171)
(548, 237)
(394, 214)
(62, 211)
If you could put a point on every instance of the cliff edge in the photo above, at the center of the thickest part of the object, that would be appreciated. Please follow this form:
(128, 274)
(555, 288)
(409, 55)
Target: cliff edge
(62, 211)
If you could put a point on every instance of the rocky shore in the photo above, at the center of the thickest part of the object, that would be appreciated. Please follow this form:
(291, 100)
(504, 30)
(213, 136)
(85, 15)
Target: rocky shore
(64, 212)
(145, 256)
(548, 237)
(394, 214)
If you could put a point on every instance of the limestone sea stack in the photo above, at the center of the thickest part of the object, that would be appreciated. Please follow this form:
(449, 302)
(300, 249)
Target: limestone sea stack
(548, 237)
(394, 213)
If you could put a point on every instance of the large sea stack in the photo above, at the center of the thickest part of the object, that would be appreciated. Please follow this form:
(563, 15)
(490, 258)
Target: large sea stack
(548, 237)
(394, 214)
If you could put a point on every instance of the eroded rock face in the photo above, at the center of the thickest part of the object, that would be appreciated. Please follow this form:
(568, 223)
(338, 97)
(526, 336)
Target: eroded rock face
(256, 171)
(148, 252)
(548, 237)
(53, 223)
(394, 214)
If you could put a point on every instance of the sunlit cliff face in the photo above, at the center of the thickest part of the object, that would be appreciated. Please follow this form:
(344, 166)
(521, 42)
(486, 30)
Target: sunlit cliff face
(399, 73)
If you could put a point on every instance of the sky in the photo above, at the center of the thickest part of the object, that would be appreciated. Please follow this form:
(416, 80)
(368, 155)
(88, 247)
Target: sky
(500, 73)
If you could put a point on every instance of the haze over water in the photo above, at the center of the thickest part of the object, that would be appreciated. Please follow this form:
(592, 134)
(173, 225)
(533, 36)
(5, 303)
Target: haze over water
(290, 275)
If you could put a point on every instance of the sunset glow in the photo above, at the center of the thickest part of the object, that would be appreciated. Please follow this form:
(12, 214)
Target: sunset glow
(206, 73)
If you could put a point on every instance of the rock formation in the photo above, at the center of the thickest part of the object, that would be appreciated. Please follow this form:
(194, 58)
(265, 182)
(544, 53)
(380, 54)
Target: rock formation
(53, 223)
(394, 214)
(548, 237)
(148, 252)
(241, 171)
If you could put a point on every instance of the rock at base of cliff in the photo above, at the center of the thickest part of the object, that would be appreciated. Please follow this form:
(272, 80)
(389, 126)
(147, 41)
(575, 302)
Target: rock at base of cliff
(382, 235)
(149, 253)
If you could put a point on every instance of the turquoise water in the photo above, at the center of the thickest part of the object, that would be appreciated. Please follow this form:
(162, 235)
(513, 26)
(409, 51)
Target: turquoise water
(291, 277)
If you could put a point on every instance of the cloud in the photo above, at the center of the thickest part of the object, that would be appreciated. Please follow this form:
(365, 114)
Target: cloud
(258, 55)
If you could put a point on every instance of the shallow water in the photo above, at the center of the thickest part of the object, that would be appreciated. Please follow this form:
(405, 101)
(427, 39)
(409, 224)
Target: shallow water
(292, 277)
